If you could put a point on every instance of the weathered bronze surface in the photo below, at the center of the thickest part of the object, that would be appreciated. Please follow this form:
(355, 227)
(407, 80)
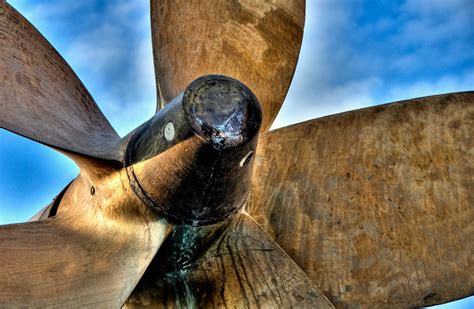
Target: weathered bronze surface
(254, 41)
(375, 205)
(195, 173)
(91, 254)
(243, 269)
(41, 97)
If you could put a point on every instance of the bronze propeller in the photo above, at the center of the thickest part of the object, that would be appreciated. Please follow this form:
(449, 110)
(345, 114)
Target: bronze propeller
(202, 206)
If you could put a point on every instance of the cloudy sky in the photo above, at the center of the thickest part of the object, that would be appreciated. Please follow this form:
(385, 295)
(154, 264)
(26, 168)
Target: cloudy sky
(355, 54)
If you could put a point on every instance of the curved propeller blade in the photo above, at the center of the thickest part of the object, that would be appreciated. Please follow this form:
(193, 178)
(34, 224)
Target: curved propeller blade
(91, 254)
(255, 42)
(40, 96)
(44, 213)
(376, 205)
(243, 269)
(51, 209)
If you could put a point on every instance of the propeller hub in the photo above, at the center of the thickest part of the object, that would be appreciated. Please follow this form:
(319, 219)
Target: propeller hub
(222, 111)
(190, 162)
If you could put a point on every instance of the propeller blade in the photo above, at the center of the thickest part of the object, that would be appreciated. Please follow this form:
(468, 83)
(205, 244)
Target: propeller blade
(375, 205)
(91, 254)
(40, 96)
(44, 213)
(255, 42)
(52, 209)
(243, 269)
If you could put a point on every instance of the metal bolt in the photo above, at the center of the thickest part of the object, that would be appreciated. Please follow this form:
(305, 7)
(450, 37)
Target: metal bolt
(169, 131)
(246, 159)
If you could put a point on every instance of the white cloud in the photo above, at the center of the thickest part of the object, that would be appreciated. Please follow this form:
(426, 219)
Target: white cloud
(434, 22)
(444, 84)
(344, 63)
(95, 50)
(416, 49)
(348, 96)
(109, 47)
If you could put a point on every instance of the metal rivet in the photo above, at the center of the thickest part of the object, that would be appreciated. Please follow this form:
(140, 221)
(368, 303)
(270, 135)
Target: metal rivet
(169, 131)
(246, 159)
(92, 190)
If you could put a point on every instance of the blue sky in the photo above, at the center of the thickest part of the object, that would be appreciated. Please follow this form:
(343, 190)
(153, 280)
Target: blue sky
(355, 54)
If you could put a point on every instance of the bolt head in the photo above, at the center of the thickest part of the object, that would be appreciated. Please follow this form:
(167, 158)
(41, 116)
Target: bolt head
(169, 131)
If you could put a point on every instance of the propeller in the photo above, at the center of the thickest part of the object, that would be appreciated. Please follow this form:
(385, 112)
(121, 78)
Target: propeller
(42, 98)
(243, 268)
(91, 254)
(375, 205)
(370, 208)
(255, 42)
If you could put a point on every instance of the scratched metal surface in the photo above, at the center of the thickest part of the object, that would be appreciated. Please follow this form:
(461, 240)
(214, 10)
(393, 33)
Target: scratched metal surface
(376, 205)
(41, 97)
(255, 42)
(91, 254)
(242, 269)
